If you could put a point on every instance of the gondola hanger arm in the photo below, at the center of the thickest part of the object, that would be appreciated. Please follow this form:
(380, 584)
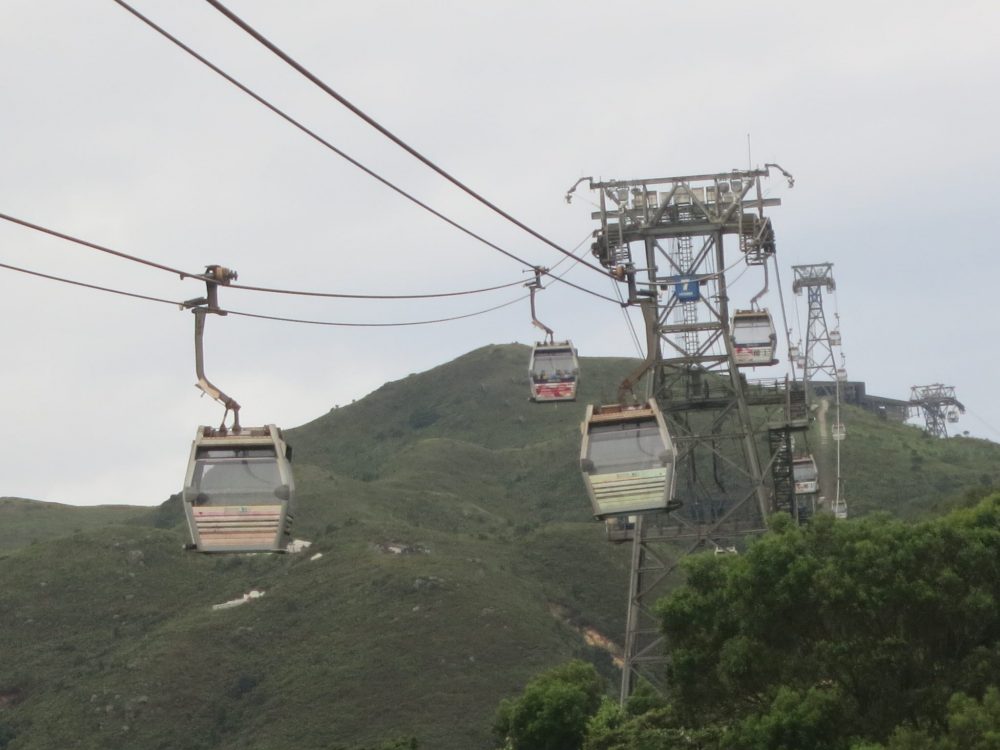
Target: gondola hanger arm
(533, 286)
(214, 276)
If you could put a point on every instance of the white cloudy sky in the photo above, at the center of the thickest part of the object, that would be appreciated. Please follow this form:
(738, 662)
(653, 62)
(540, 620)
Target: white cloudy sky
(885, 112)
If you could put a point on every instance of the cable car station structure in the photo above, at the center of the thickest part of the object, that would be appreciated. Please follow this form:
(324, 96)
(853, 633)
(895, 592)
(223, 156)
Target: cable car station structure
(667, 239)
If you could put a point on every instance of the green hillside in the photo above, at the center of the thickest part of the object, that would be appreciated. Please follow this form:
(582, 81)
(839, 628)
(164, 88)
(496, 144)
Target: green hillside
(24, 522)
(459, 559)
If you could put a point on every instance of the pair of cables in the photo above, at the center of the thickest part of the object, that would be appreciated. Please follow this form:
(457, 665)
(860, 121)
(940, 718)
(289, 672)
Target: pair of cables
(327, 89)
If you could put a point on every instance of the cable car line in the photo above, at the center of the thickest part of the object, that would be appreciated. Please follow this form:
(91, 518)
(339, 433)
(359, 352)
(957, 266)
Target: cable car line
(319, 139)
(383, 130)
(373, 325)
(189, 275)
(339, 295)
(178, 303)
(312, 134)
(89, 286)
(95, 246)
(630, 324)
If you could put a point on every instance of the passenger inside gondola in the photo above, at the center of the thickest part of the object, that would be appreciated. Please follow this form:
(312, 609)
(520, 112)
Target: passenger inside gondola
(557, 362)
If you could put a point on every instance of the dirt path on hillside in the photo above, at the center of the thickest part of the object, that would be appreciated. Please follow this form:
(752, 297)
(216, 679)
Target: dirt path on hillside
(821, 412)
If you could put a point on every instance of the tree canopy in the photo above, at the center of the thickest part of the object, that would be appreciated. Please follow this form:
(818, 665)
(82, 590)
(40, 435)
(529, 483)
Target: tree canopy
(839, 629)
(553, 710)
(868, 634)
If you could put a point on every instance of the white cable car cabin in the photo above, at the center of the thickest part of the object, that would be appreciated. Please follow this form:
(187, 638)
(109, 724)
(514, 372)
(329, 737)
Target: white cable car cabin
(620, 528)
(239, 490)
(627, 460)
(952, 414)
(554, 372)
(839, 431)
(754, 338)
(835, 337)
(805, 475)
(841, 374)
(840, 508)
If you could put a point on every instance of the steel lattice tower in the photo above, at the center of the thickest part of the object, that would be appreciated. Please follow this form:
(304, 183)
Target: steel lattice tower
(680, 224)
(939, 406)
(819, 358)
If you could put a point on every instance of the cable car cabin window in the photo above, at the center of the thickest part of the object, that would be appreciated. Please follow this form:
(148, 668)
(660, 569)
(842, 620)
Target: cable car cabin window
(753, 331)
(627, 446)
(805, 472)
(558, 364)
(244, 471)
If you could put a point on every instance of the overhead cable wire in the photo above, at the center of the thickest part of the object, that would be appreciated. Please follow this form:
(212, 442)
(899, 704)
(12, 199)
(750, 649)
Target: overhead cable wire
(628, 321)
(784, 314)
(241, 313)
(384, 325)
(311, 133)
(340, 295)
(351, 160)
(374, 325)
(383, 130)
(95, 246)
(189, 275)
(983, 421)
(74, 282)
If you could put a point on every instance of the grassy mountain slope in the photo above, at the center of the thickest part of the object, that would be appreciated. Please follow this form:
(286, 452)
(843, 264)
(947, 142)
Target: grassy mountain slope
(458, 559)
(23, 522)
(903, 470)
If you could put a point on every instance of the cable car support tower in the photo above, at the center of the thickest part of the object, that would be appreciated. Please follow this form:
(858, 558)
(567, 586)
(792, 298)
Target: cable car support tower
(666, 238)
(818, 359)
(939, 406)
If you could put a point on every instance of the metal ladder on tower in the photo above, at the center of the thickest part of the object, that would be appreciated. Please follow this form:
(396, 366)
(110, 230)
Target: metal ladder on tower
(689, 310)
(780, 443)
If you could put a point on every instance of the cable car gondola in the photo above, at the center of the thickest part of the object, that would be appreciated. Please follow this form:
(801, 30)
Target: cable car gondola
(805, 475)
(620, 528)
(627, 460)
(754, 338)
(554, 371)
(238, 490)
(840, 508)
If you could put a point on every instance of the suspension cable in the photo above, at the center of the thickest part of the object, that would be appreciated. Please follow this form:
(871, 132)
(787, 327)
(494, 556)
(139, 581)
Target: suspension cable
(319, 139)
(95, 246)
(383, 130)
(188, 274)
(241, 313)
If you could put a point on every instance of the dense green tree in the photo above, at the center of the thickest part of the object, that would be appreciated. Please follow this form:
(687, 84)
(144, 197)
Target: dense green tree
(972, 725)
(839, 629)
(654, 729)
(553, 710)
(869, 634)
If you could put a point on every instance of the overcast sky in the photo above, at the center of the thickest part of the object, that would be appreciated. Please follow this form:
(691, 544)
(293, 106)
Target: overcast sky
(885, 112)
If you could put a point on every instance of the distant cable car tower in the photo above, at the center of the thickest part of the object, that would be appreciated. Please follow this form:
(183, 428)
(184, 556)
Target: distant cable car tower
(939, 406)
(818, 359)
(818, 354)
(678, 226)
